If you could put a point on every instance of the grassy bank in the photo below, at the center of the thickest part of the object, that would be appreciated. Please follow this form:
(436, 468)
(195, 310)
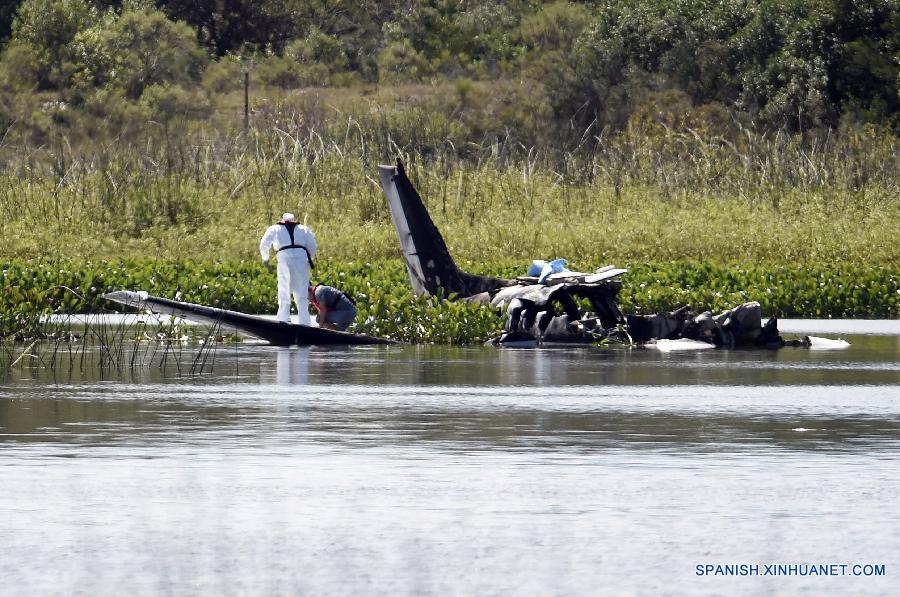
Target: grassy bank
(387, 307)
(648, 194)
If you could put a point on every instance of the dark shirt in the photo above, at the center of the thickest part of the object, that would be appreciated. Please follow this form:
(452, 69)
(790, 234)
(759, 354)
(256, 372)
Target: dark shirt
(332, 299)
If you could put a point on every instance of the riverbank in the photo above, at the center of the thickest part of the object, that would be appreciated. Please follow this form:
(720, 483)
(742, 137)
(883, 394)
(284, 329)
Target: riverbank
(33, 288)
(804, 223)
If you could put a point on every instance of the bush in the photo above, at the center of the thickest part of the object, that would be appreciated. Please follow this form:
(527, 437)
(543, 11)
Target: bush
(485, 32)
(280, 71)
(318, 47)
(345, 79)
(113, 113)
(548, 37)
(556, 27)
(286, 73)
(781, 64)
(401, 62)
(224, 76)
(20, 68)
(49, 28)
(138, 49)
(165, 102)
(792, 65)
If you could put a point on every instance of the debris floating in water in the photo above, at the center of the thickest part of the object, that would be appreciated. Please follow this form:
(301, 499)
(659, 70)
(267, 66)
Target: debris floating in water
(680, 344)
(817, 343)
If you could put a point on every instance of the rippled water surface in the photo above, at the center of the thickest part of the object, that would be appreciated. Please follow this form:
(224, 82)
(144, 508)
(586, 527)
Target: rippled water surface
(434, 471)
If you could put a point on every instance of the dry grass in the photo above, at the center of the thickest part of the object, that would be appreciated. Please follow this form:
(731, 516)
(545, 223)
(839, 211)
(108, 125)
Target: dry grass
(648, 193)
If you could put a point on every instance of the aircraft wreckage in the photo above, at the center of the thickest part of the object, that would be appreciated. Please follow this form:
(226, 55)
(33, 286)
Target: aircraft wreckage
(541, 308)
(274, 332)
(544, 308)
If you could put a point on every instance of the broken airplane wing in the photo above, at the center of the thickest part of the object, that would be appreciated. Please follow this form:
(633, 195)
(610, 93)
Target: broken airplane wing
(274, 332)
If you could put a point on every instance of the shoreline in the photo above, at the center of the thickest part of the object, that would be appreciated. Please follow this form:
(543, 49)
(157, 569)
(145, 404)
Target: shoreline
(856, 327)
(32, 290)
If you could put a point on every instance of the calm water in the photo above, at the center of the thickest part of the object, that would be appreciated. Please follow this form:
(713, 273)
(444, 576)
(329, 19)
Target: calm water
(436, 471)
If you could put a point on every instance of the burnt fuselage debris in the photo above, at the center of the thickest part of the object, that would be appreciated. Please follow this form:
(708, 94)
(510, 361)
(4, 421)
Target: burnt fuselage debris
(568, 307)
(738, 327)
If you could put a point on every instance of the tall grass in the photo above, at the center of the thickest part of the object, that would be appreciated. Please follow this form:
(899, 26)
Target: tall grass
(65, 346)
(646, 193)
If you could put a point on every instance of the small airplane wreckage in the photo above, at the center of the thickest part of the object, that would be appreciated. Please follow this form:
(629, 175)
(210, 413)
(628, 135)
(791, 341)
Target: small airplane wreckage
(543, 306)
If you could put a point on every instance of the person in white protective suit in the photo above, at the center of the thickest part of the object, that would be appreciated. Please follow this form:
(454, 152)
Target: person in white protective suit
(295, 246)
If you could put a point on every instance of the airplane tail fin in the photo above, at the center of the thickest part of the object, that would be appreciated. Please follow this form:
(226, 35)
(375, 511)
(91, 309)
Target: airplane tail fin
(428, 262)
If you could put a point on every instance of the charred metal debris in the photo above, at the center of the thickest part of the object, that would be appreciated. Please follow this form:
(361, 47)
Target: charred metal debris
(563, 307)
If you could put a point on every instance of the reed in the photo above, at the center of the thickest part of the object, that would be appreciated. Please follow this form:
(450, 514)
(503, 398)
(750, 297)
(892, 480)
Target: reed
(649, 192)
(64, 347)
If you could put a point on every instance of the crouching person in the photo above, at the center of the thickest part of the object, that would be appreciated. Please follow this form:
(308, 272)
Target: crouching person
(336, 310)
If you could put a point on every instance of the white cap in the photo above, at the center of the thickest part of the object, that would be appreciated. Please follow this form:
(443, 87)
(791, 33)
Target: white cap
(288, 217)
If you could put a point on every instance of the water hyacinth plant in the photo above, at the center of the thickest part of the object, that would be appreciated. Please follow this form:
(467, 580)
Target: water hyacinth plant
(388, 308)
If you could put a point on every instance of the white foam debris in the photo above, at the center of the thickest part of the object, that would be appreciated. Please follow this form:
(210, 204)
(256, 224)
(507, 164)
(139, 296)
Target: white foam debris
(680, 344)
(817, 343)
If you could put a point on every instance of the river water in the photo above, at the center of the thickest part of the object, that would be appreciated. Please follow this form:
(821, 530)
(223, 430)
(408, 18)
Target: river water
(454, 471)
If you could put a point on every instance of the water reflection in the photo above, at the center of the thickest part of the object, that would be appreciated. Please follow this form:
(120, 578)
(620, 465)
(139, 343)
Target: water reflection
(291, 366)
(869, 360)
(873, 360)
(475, 398)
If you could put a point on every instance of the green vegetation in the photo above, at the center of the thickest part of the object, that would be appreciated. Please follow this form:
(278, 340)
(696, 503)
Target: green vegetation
(649, 195)
(794, 64)
(723, 142)
(757, 102)
(387, 308)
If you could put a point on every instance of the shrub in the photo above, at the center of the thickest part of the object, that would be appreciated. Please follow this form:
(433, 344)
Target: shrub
(345, 79)
(317, 47)
(140, 48)
(555, 28)
(792, 65)
(165, 102)
(224, 76)
(279, 71)
(20, 67)
(49, 28)
(401, 62)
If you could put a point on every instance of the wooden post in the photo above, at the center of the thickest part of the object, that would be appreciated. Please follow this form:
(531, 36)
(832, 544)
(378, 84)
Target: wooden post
(246, 101)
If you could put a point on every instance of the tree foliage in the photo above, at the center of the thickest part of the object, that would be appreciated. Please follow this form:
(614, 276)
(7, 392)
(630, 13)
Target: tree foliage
(139, 48)
(791, 64)
(46, 29)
